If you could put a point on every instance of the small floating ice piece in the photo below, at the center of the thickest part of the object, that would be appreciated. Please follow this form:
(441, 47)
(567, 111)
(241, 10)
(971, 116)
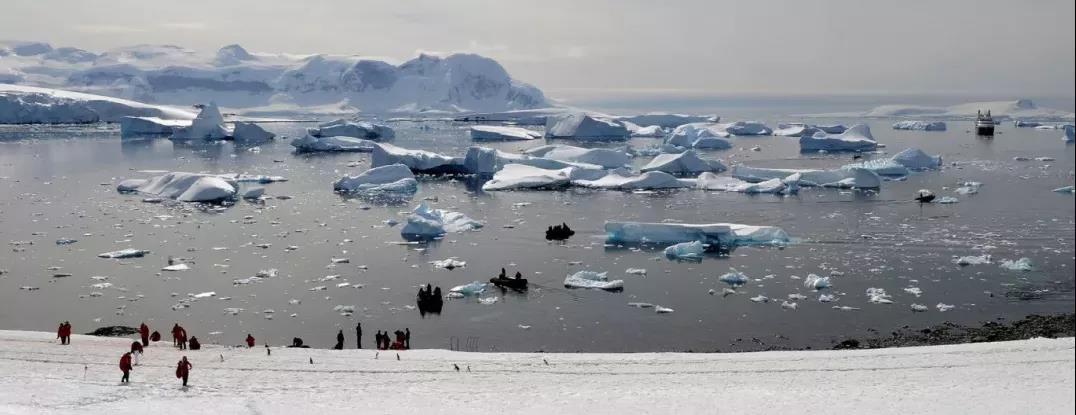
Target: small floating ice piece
(972, 260)
(635, 271)
(685, 251)
(124, 253)
(733, 278)
(878, 296)
(919, 308)
(471, 289)
(944, 307)
(760, 299)
(816, 282)
(789, 305)
(449, 263)
(592, 279)
(488, 300)
(1022, 264)
(176, 267)
(662, 310)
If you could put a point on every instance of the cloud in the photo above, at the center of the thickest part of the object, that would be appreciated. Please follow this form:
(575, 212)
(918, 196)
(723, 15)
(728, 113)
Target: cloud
(108, 29)
(185, 25)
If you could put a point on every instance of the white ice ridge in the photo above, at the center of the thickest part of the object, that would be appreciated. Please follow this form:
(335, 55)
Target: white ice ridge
(911, 159)
(208, 125)
(607, 158)
(856, 138)
(919, 125)
(699, 135)
(520, 176)
(487, 161)
(723, 234)
(358, 129)
(420, 161)
(889, 381)
(312, 144)
(711, 181)
(184, 187)
(653, 180)
(393, 178)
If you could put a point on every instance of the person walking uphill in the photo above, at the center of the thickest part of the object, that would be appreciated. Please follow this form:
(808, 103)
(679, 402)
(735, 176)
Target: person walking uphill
(183, 370)
(250, 340)
(143, 331)
(64, 333)
(176, 329)
(125, 366)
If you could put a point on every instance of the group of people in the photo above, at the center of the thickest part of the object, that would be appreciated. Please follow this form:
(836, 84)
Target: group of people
(504, 275)
(64, 333)
(132, 357)
(385, 342)
(559, 232)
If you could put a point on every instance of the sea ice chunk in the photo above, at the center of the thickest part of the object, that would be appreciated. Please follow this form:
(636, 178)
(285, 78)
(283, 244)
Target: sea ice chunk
(419, 161)
(393, 178)
(361, 129)
(1022, 264)
(715, 234)
(856, 138)
(309, 143)
(502, 133)
(124, 253)
(667, 120)
(685, 251)
(188, 187)
(688, 135)
(853, 177)
(816, 282)
(916, 159)
(711, 181)
(519, 176)
(425, 222)
(583, 126)
(1069, 134)
(734, 278)
(592, 279)
(469, 289)
(250, 134)
(653, 180)
(683, 164)
(878, 296)
(746, 128)
(208, 125)
(149, 126)
(604, 157)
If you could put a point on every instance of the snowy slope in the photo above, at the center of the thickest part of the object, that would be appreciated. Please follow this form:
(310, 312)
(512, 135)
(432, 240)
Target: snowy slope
(1032, 376)
(21, 104)
(237, 78)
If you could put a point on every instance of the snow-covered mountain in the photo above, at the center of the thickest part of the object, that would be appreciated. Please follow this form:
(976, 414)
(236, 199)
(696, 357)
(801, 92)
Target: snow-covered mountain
(267, 82)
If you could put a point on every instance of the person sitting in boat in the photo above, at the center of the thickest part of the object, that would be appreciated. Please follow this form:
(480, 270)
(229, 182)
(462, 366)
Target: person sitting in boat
(503, 274)
(519, 275)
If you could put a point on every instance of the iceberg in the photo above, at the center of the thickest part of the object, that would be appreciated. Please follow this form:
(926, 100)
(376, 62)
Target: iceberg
(853, 177)
(487, 161)
(520, 176)
(208, 125)
(711, 181)
(185, 187)
(393, 179)
(1022, 264)
(648, 131)
(603, 157)
(683, 164)
(919, 125)
(881, 167)
(130, 185)
(419, 161)
(714, 234)
(250, 134)
(816, 282)
(470, 289)
(591, 279)
(583, 126)
(149, 126)
(311, 144)
(502, 133)
(124, 253)
(1068, 137)
(746, 128)
(699, 135)
(424, 223)
(916, 159)
(653, 180)
(733, 278)
(793, 130)
(685, 251)
(665, 120)
(361, 129)
(857, 138)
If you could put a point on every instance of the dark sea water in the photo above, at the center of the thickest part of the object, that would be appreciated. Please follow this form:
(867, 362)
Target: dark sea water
(59, 182)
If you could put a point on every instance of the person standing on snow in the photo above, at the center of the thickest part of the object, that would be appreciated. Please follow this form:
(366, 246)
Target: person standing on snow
(143, 331)
(184, 370)
(358, 335)
(64, 333)
(136, 351)
(339, 340)
(175, 334)
(125, 366)
(250, 340)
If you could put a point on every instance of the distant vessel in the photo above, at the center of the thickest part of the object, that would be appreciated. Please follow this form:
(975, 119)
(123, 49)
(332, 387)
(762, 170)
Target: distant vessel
(984, 124)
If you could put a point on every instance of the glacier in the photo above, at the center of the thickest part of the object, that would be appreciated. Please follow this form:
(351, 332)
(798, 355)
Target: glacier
(21, 104)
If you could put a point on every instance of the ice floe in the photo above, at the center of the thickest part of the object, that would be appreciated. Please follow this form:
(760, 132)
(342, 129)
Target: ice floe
(425, 222)
(419, 161)
(1022, 264)
(250, 134)
(919, 125)
(208, 125)
(466, 290)
(683, 164)
(856, 138)
(853, 177)
(519, 176)
(357, 129)
(699, 135)
(185, 187)
(581, 126)
(746, 128)
(685, 251)
(311, 144)
(606, 158)
(592, 279)
(654, 180)
(124, 253)
(389, 179)
(715, 234)
(711, 181)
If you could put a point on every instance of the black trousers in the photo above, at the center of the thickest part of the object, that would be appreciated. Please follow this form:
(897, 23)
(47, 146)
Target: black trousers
(184, 380)
(126, 376)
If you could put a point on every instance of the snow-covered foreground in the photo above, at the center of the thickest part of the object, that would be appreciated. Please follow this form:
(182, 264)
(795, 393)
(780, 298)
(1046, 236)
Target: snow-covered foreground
(37, 375)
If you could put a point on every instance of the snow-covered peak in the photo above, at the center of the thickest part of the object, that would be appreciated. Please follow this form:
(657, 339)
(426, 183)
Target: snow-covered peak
(233, 55)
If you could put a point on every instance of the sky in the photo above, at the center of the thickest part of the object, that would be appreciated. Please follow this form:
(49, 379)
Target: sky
(630, 47)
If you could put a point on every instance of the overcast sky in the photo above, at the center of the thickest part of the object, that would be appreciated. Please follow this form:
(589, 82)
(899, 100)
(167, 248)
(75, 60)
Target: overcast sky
(983, 47)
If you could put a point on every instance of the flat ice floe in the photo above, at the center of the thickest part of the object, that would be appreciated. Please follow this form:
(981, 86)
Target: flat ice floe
(853, 177)
(312, 144)
(685, 251)
(711, 181)
(149, 126)
(592, 279)
(124, 253)
(419, 161)
(358, 129)
(502, 133)
(687, 163)
(856, 138)
(606, 158)
(184, 187)
(919, 125)
(390, 179)
(487, 161)
(582, 126)
(713, 234)
(746, 128)
(519, 176)
(654, 180)
(424, 223)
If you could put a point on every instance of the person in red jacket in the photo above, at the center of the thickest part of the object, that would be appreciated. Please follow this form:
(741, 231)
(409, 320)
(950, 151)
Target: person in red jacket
(125, 366)
(250, 340)
(184, 370)
(136, 351)
(64, 333)
(182, 338)
(176, 329)
(143, 330)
